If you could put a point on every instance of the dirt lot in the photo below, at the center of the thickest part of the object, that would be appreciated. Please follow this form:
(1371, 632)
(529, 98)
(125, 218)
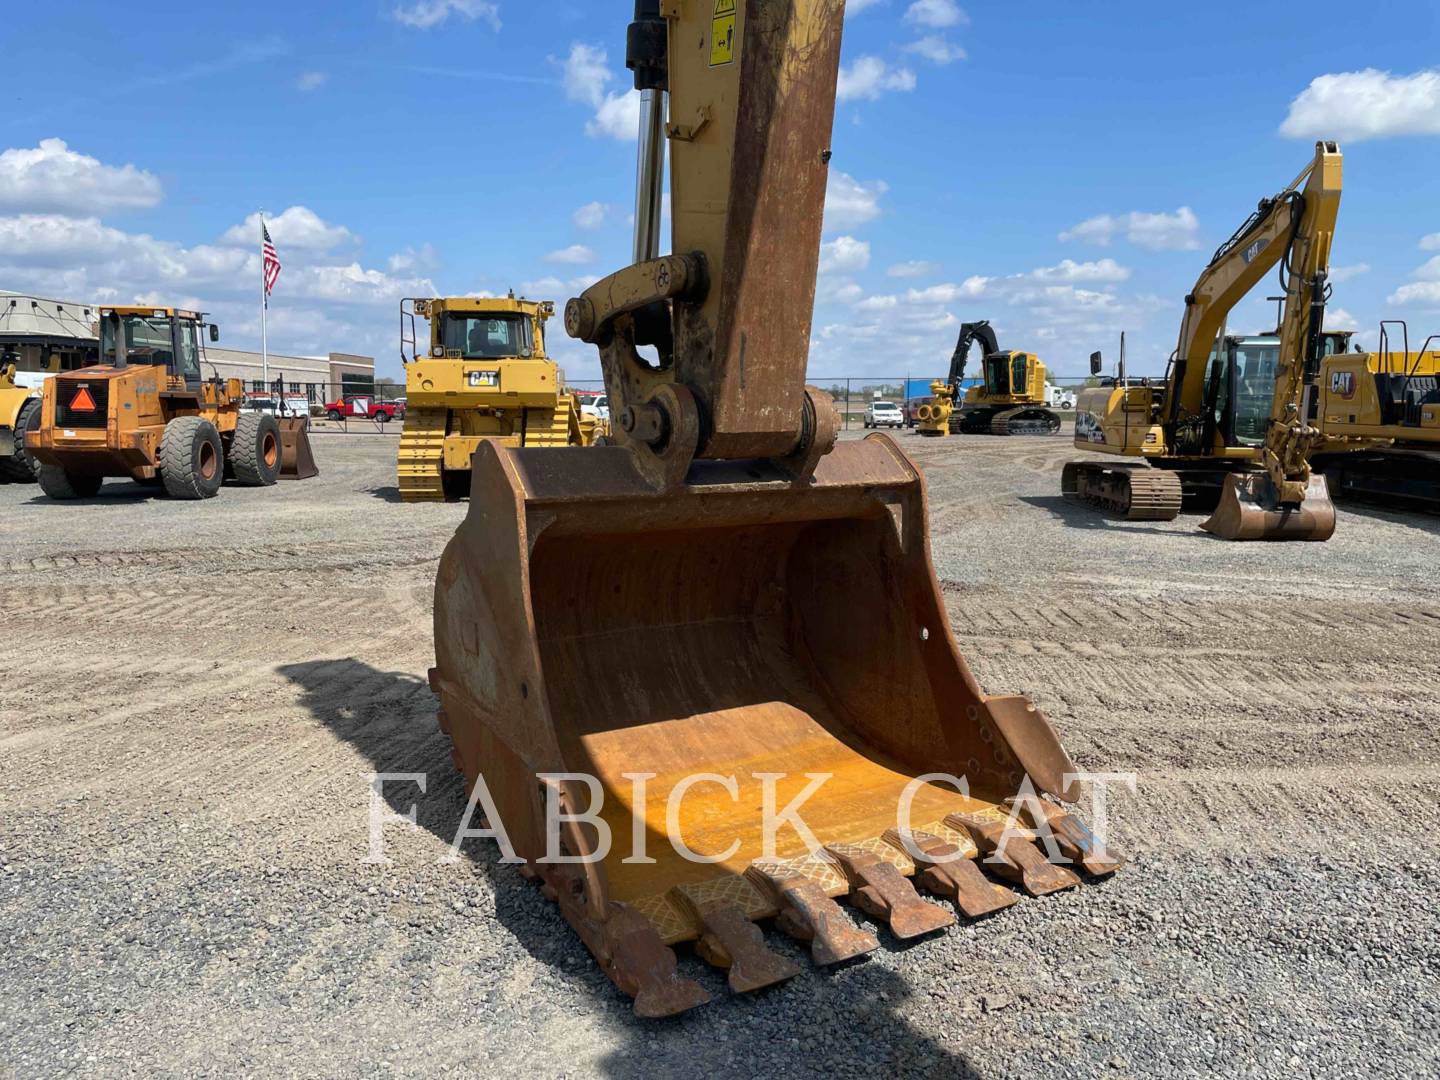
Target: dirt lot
(193, 693)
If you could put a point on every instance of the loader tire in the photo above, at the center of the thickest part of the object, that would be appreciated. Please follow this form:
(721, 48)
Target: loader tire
(59, 484)
(255, 450)
(22, 468)
(192, 458)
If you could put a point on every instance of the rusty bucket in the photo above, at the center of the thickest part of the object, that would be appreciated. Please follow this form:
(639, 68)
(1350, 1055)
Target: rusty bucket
(297, 460)
(732, 644)
(1249, 510)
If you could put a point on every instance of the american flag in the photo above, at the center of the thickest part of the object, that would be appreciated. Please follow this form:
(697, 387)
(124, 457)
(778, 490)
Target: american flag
(270, 259)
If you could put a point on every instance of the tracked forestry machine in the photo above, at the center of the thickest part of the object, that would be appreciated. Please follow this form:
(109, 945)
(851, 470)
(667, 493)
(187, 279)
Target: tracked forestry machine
(729, 610)
(1010, 399)
(1230, 426)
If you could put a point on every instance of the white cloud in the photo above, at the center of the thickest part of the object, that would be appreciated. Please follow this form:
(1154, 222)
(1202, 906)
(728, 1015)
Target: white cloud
(423, 14)
(869, 77)
(937, 49)
(854, 7)
(552, 287)
(1429, 270)
(1368, 104)
(1340, 319)
(937, 14)
(844, 255)
(296, 227)
(574, 255)
(592, 215)
(1347, 273)
(1105, 270)
(51, 176)
(1179, 231)
(1424, 294)
(586, 78)
(1431, 242)
(912, 268)
(850, 202)
(421, 258)
(311, 80)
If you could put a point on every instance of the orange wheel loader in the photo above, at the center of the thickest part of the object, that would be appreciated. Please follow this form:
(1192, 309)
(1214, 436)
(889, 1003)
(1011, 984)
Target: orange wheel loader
(146, 412)
(704, 676)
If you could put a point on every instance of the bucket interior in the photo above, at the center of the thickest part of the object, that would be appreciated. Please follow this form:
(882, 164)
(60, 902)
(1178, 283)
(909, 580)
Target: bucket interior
(738, 650)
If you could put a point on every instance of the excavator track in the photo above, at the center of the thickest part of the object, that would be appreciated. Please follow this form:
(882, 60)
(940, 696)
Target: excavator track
(1024, 420)
(422, 456)
(1135, 490)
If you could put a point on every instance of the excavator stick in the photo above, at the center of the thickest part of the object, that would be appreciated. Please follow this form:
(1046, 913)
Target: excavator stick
(297, 459)
(730, 642)
(1249, 510)
(705, 675)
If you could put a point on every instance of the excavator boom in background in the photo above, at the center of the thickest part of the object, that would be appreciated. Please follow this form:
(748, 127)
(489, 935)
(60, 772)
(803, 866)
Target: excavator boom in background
(728, 604)
(1230, 424)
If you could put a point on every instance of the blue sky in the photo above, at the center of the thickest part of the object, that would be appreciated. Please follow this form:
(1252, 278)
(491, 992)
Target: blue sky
(1064, 170)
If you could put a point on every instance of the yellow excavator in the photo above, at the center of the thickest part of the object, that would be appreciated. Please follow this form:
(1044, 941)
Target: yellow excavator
(1379, 414)
(1228, 424)
(1010, 400)
(483, 375)
(722, 640)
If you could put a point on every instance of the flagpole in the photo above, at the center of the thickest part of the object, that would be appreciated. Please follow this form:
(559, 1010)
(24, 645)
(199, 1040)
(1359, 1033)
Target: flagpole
(264, 304)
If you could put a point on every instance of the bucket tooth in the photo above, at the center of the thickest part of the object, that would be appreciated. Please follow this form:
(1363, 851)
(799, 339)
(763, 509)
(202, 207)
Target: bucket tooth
(946, 869)
(632, 954)
(1249, 510)
(1013, 857)
(729, 940)
(881, 891)
(807, 914)
(1074, 838)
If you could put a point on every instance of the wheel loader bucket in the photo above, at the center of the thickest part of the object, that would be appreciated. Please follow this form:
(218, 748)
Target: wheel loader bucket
(297, 460)
(1249, 510)
(685, 665)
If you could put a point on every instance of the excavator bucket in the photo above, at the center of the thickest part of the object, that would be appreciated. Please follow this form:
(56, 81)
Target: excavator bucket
(297, 460)
(686, 667)
(1249, 510)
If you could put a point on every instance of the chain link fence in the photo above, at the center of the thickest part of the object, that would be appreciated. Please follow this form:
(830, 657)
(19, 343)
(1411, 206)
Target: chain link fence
(379, 408)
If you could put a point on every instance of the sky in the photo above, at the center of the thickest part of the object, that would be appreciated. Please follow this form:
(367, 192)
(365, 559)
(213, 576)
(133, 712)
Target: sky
(1063, 170)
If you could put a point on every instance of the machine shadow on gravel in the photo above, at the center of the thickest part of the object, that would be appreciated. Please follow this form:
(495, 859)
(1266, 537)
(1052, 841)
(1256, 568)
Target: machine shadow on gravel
(1416, 518)
(390, 494)
(390, 718)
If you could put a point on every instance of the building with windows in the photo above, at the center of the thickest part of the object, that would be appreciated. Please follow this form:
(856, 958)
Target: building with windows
(46, 335)
(317, 377)
(39, 334)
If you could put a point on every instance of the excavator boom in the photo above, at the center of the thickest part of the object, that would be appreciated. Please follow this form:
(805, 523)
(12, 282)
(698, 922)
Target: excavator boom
(647, 652)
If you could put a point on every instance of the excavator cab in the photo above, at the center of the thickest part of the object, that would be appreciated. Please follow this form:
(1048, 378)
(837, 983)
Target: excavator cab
(705, 676)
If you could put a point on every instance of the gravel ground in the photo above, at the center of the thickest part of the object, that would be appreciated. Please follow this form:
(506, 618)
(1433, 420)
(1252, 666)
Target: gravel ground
(192, 694)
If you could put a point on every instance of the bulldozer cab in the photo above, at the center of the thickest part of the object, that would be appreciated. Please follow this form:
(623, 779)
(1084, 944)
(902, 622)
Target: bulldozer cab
(484, 328)
(166, 337)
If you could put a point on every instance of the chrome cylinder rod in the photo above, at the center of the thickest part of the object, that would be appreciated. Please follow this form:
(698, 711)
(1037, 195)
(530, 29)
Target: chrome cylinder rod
(650, 174)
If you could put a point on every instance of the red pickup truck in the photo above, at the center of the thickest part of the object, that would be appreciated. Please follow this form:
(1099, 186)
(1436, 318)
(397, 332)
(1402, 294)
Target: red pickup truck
(361, 407)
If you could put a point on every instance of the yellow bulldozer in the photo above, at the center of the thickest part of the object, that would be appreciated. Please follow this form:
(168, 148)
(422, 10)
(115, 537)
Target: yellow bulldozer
(722, 640)
(146, 412)
(484, 376)
(1229, 427)
(1011, 399)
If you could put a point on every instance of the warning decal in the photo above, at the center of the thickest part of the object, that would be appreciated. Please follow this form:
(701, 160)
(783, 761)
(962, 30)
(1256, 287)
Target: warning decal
(722, 33)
